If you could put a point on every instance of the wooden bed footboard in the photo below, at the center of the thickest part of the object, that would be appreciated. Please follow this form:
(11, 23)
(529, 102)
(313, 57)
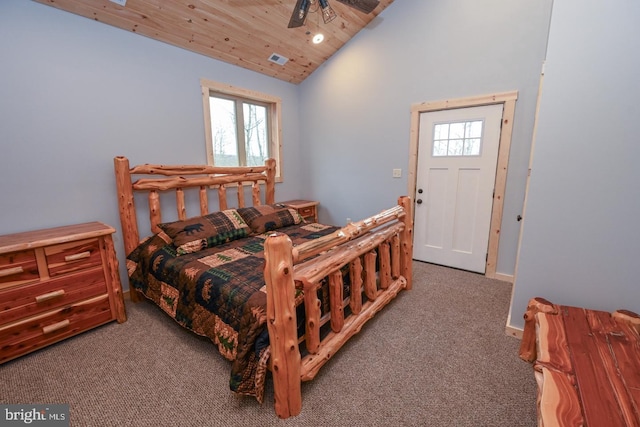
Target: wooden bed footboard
(377, 251)
(386, 236)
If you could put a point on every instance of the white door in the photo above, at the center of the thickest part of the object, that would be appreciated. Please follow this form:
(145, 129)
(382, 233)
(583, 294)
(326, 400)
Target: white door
(457, 157)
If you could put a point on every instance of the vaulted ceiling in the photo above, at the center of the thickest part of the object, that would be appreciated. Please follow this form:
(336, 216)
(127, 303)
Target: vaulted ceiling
(241, 32)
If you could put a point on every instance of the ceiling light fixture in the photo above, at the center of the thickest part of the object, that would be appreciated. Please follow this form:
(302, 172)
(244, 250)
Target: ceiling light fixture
(303, 7)
(328, 14)
(318, 38)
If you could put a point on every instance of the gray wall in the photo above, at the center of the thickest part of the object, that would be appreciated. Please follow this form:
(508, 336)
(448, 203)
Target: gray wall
(581, 239)
(74, 93)
(355, 109)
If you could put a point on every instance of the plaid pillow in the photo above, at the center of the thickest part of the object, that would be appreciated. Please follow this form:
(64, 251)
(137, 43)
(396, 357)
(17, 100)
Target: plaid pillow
(265, 218)
(202, 232)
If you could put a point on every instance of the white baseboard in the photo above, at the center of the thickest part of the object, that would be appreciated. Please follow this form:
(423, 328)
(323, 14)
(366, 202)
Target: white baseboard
(504, 277)
(513, 332)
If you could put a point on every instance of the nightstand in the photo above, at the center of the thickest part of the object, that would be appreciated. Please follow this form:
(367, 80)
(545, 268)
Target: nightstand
(308, 209)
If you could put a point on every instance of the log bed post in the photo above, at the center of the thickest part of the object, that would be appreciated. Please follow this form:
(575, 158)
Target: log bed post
(281, 323)
(126, 204)
(127, 208)
(406, 241)
(270, 190)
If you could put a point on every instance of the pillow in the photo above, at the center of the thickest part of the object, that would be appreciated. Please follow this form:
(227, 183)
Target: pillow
(194, 234)
(265, 218)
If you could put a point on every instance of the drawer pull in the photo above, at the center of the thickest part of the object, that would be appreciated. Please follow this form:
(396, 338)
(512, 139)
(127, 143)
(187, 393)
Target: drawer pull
(56, 326)
(75, 257)
(50, 295)
(11, 271)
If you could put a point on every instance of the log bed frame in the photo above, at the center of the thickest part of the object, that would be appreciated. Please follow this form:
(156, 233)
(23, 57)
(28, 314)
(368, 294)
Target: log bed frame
(387, 235)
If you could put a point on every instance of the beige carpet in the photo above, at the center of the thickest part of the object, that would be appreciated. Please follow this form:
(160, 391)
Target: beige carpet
(437, 356)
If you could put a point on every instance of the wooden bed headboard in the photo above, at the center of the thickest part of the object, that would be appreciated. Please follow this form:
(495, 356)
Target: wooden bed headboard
(179, 178)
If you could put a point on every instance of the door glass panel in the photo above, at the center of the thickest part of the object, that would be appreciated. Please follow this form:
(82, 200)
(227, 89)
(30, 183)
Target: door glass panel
(457, 138)
(456, 130)
(455, 147)
(440, 148)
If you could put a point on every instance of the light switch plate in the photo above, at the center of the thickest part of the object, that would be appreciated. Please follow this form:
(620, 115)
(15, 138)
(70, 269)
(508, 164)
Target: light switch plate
(397, 173)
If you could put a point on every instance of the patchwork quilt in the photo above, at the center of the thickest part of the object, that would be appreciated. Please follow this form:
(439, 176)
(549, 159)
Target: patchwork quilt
(217, 292)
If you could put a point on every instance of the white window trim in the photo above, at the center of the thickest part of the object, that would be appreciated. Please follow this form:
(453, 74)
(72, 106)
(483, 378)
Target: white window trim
(274, 111)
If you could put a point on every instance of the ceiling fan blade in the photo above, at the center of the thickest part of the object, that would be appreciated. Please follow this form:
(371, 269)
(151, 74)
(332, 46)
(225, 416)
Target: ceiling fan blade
(365, 6)
(299, 13)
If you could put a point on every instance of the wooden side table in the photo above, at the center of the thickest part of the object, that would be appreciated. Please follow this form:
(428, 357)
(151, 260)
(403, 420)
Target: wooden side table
(586, 364)
(308, 209)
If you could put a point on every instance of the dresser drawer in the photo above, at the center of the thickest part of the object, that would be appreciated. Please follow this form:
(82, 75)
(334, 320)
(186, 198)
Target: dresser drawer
(23, 301)
(17, 268)
(38, 331)
(67, 257)
(308, 211)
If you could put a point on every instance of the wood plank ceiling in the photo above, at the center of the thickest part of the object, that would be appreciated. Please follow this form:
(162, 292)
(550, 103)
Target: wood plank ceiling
(241, 32)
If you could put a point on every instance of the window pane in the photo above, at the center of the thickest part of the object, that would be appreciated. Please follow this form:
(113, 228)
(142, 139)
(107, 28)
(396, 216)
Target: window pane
(441, 131)
(242, 126)
(472, 147)
(440, 148)
(474, 129)
(455, 147)
(223, 132)
(456, 130)
(255, 134)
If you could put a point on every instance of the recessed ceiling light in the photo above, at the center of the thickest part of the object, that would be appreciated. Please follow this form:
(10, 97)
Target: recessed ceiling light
(318, 38)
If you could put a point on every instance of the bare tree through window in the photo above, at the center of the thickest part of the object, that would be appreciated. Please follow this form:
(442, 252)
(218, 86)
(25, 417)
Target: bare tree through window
(241, 126)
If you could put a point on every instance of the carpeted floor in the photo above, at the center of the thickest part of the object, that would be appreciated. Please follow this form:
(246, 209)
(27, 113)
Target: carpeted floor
(437, 356)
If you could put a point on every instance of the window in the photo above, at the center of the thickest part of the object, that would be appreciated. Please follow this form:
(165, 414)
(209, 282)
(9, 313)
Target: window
(457, 139)
(242, 127)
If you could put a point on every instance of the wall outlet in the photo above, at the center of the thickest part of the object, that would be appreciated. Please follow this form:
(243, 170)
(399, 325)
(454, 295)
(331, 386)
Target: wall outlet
(397, 173)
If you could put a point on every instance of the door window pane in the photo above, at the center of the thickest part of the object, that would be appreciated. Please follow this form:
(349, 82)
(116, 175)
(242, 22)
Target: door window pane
(457, 138)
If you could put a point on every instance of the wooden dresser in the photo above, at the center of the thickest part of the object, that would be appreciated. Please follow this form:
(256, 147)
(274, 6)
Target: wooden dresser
(56, 283)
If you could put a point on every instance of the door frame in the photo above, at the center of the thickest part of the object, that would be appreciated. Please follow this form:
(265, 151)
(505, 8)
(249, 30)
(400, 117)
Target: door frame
(508, 99)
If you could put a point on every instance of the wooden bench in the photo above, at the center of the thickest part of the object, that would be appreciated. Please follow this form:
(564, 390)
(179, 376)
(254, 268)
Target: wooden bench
(586, 364)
